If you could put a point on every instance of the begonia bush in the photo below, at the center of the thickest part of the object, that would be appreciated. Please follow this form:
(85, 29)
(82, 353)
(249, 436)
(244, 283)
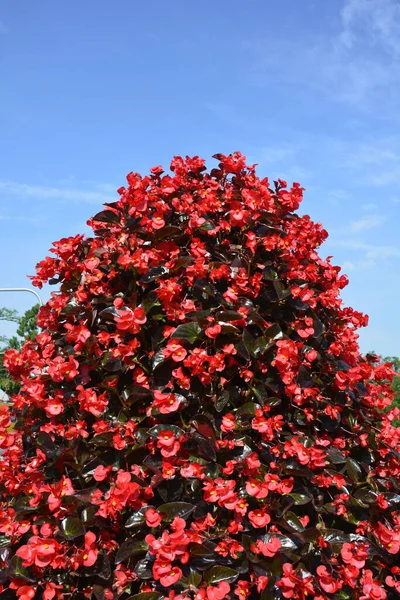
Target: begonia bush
(195, 418)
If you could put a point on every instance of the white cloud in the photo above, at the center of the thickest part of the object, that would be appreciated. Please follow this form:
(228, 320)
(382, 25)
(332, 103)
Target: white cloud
(371, 253)
(10, 190)
(359, 63)
(380, 17)
(348, 266)
(367, 222)
(369, 206)
(275, 154)
(3, 28)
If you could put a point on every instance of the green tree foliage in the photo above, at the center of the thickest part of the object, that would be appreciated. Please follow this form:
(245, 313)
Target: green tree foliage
(396, 381)
(27, 329)
(395, 384)
(7, 314)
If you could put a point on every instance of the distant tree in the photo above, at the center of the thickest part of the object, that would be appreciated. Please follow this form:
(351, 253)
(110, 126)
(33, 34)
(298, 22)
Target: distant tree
(27, 329)
(395, 384)
(7, 314)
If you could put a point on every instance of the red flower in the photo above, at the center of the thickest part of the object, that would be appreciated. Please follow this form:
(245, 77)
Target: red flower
(328, 583)
(175, 350)
(218, 592)
(130, 320)
(40, 552)
(167, 443)
(268, 549)
(171, 577)
(153, 519)
(242, 589)
(257, 489)
(228, 423)
(91, 551)
(213, 330)
(101, 473)
(354, 555)
(165, 403)
(259, 518)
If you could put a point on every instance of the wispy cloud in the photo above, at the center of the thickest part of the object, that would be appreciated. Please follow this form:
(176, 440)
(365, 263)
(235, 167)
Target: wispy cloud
(3, 28)
(369, 206)
(380, 17)
(357, 62)
(371, 254)
(367, 222)
(9, 190)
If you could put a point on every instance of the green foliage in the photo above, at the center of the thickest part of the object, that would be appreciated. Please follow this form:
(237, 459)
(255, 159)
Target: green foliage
(7, 314)
(395, 385)
(396, 381)
(27, 329)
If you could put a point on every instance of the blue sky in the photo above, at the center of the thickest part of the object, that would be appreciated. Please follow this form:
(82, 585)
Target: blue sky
(309, 90)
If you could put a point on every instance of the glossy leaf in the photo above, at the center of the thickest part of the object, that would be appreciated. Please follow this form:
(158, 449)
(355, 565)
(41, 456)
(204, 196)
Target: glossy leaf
(176, 509)
(216, 574)
(130, 548)
(188, 331)
(72, 528)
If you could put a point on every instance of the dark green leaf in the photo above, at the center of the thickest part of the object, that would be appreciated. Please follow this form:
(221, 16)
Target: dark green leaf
(222, 401)
(153, 274)
(286, 542)
(176, 509)
(392, 499)
(134, 393)
(199, 550)
(4, 541)
(147, 596)
(335, 456)
(46, 444)
(293, 520)
(228, 315)
(365, 495)
(158, 358)
(107, 216)
(272, 401)
(143, 568)
(280, 290)
(168, 232)
(157, 429)
(353, 469)
(130, 548)
(301, 499)
(72, 527)
(89, 514)
(216, 574)
(199, 446)
(138, 518)
(108, 314)
(187, 331)
(269, 274)
(274, 332)
(198, 315)
(114, 365)
(17, 570)
(194, 578)
(248, 409)
(254, 345)
(149, 301)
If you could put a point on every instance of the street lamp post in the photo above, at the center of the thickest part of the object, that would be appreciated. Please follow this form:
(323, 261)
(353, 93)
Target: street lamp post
(23, 290)
(5, 399)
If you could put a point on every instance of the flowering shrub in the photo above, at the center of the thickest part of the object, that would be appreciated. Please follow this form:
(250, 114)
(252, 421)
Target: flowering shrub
(195, 420)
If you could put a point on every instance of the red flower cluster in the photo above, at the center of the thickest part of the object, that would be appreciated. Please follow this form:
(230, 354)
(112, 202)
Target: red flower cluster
(195, 420)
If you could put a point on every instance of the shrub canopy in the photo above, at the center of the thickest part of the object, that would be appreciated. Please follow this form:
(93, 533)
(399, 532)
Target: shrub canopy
(195, 420)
